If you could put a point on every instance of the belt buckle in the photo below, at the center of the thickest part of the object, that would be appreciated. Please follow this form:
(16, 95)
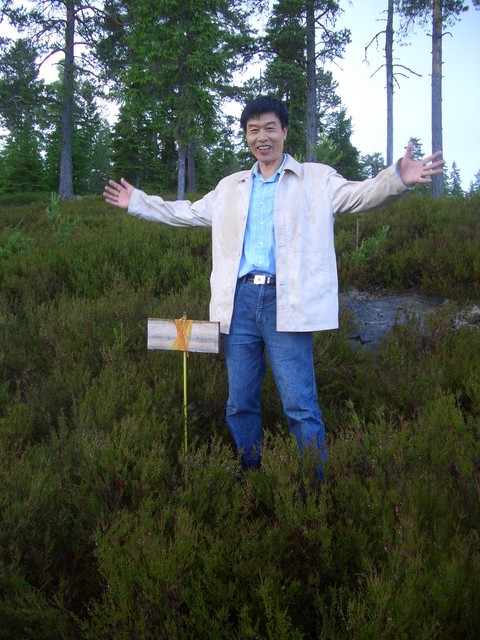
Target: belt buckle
(258, 279)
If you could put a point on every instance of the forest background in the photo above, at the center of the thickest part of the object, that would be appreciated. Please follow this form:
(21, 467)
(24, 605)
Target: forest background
(148, 64)
(109, 529)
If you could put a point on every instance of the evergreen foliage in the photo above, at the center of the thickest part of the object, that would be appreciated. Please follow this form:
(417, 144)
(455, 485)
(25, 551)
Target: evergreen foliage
(20, 88)
(170, 68)
(58, 26)
(20, 102)
(372, 164)
(453, 182)
(23, 168)
(300, 36)
(91, 145)
(475, 184)
(109, 531)
(179, 58)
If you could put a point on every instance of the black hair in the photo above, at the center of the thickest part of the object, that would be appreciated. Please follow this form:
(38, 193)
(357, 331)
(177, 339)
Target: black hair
(264, 104)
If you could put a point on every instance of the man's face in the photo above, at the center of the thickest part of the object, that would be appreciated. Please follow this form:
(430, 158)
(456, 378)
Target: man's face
(265, 138)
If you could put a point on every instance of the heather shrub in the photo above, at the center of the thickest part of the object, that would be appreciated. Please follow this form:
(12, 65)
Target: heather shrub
(110, 530)
(420, 358)
(431, 243)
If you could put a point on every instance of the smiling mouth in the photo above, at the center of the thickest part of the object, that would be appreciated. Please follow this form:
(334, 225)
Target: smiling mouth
(264, 148)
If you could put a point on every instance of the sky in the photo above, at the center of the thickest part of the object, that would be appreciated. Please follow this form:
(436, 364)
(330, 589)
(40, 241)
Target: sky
(364, 96)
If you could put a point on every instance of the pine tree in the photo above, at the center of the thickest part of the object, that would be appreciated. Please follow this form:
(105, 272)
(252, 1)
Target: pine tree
(475, 184)
(393, 71)
(372, 164)
(454, 181)
(178, 60)
(52, 25)
(21, 100)
(23, 166)
(299, 35)
(437, 14)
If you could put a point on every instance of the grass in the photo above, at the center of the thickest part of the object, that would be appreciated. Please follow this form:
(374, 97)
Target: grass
(110, 531)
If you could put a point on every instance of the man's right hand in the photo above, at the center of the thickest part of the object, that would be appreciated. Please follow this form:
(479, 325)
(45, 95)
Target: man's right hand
(118, 194)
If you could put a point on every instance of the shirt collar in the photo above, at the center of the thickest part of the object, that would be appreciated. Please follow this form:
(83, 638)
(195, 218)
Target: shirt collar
(257, 174)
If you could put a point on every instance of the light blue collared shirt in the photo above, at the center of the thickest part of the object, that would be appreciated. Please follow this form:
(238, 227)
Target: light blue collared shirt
(258, 254)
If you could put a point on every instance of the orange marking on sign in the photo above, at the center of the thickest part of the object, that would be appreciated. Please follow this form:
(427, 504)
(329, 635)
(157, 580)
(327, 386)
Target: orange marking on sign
(184, 332)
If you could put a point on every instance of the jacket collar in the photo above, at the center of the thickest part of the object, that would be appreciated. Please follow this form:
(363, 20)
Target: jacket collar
(290, 165)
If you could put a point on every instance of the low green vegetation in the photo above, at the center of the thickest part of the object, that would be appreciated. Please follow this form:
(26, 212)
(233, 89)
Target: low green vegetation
(108, 530)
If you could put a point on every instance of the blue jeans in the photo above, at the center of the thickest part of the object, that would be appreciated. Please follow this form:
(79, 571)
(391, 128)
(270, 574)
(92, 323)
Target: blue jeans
(252, 333)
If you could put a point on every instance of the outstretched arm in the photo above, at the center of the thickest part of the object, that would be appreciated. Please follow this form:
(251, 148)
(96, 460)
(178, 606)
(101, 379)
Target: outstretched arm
(118, 194)
(419, 171)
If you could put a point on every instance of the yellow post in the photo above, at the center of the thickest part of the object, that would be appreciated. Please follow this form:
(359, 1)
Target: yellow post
(185, 405)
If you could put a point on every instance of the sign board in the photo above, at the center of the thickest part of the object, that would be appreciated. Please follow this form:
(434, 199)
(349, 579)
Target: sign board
(183, 335)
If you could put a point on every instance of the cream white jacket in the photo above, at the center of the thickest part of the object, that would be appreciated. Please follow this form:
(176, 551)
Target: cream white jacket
(307, 199)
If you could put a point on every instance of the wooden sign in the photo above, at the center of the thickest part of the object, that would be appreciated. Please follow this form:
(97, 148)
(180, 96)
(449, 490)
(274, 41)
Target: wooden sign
(183, 335)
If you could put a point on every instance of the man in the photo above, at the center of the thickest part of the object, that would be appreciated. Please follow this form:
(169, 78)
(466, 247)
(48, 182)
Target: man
(274, 276)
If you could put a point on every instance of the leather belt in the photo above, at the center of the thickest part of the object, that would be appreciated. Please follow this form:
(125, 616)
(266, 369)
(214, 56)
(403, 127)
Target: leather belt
(260, 279)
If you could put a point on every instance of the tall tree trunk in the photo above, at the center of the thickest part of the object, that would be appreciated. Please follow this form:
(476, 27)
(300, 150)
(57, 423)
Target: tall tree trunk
(312, 133)
(389, 68)
(65, 188)
(437, 129)
(182, 164)
(191, 167)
